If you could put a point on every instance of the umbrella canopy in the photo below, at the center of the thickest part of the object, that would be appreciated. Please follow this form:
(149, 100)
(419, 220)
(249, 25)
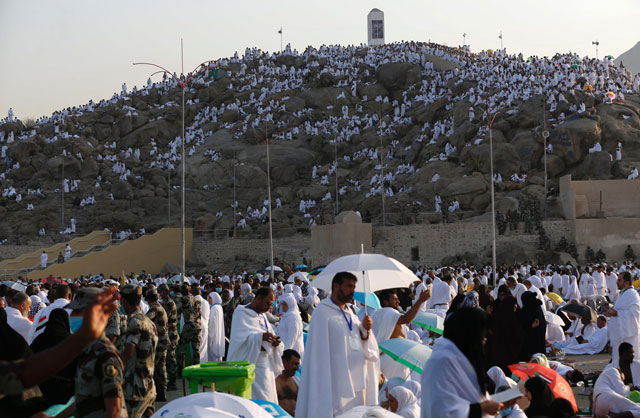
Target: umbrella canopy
(555, 298)
(52, 280)
(315, 271)
(430, 321)
(369, 299)
(374, 272)
(275, 268)
(557, 383)
(301, 274)
(273, 409)
(408, 353)
(553, 318)
(302, 266)
(580, 309)
(211, 404)
(15, 285)
(368, 411)
(176, 278)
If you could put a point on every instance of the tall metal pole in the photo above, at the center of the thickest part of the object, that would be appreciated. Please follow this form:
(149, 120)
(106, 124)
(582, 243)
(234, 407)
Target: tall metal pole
(596, 43)
(233, 205)
(493, 201)
(335, 173)
(184, 162)
(501, 48)
(266, 135)
(62, 226)
(168, 197)
(464, 39)
(545, 135)
(280, 38)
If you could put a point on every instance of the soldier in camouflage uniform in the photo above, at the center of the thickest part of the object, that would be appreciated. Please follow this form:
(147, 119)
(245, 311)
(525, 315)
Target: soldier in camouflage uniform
(99, 377)
(157, 314)
(116, 327)
(172, 326)
(140, 343)
(189, 308)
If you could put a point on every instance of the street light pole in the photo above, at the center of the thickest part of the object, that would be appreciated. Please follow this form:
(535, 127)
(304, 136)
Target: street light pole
(266, 137)
(335, 173)
(545, 135)
(493, 199)
(596, 43)
(501, 47)
(464, 39)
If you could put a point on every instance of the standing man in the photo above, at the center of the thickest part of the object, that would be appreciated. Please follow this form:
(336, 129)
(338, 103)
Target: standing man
(140, 343)
(254, 340)
(601, 283)
(67, 252)
(17, 311)
(43, 260)
(204, 324)
(100, 375)
(158, 316)
(190, 309)
(172, 327)
(624, 322)
(341, 357)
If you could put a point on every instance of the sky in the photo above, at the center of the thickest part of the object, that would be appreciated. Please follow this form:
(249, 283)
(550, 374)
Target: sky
(55, 54)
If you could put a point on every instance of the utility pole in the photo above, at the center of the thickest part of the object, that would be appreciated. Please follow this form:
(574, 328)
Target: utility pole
(596, 43)
(233, 205)
(335, 172)
(280, 32)
(501, 47)
(464, 39)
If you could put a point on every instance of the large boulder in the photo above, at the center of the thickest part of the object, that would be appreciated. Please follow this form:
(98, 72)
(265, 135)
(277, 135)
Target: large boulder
(505, 158)
(595, 166)
(528, 149)
(121, 190)
(398, 75)
(573, 138)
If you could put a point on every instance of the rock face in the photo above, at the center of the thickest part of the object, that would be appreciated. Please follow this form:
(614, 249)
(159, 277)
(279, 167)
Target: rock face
(630, 59)
(328, 124)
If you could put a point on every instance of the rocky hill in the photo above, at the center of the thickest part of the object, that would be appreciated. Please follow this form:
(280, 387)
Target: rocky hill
(384, 119)
(631, 59)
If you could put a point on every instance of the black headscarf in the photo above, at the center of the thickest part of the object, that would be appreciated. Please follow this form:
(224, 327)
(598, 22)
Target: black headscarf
(534, 338)
(541, 397)
(507, 337)
(467, 328)
(12, 345)
(561, 408)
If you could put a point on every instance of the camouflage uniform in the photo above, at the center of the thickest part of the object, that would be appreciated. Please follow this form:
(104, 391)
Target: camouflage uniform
(157, 314)
(190, 308)
(139, 390)
(117, 326)
(172, 325)
(99, 376)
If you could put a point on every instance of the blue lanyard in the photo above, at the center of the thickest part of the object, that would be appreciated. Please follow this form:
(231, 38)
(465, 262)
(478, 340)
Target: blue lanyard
(349, 322)
(266, 327)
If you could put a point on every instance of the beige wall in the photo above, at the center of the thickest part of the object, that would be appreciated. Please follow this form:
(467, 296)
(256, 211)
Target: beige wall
(581, 199)
(32, 259)
(329, 242)
(610, 235)
(149, 253)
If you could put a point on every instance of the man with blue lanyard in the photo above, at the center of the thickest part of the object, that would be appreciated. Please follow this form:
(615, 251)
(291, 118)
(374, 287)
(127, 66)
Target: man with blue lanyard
(341, 366)
(254, 340)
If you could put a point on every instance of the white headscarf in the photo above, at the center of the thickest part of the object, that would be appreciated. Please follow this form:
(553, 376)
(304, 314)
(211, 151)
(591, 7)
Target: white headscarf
(415, 387)
(407, 402)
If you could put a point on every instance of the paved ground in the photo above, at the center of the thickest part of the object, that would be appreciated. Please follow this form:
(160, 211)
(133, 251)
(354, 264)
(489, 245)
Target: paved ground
(586, 364)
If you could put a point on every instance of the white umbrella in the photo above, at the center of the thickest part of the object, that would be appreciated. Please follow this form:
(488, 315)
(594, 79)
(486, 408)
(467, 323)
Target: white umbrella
(275, 268)
(301, 274)
(374, 272)
(368, 412)
(211, 404)
(553, 318)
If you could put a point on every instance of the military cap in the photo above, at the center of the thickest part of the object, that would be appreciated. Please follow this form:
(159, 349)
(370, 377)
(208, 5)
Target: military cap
(130, 289)
(84, 297)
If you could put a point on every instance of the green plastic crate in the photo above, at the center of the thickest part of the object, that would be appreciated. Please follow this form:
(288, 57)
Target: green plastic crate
(235, 377)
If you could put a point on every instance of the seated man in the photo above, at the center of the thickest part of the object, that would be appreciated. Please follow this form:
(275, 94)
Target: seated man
(594, 344)
(287, 383)
(611, 391)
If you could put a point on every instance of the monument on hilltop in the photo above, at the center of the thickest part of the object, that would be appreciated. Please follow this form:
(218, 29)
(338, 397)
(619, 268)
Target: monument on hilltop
(375, 27)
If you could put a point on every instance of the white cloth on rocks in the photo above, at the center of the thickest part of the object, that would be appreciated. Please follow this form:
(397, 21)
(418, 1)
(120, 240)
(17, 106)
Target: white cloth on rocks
(247, 328)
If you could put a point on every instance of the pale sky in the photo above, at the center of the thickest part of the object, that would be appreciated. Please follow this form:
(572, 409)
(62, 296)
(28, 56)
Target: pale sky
(55, 54)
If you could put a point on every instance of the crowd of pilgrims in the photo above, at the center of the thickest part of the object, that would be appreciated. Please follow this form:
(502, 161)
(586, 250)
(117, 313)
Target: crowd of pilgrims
(161, 326)
(501, 82)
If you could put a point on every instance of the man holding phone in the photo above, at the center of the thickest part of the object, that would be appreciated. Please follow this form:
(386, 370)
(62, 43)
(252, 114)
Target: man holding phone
(254, 340)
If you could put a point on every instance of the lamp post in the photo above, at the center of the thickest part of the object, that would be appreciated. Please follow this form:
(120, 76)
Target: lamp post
(183, 85)
(545, 135)
(596, 43)
(492, 118)
(464, 39)
(266, 137)
(500, 40)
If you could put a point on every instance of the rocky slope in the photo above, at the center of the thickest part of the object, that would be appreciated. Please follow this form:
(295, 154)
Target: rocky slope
(321, 111)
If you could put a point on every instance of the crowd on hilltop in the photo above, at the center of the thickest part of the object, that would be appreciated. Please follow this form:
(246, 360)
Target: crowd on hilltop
(262, 85)
(534, 313)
